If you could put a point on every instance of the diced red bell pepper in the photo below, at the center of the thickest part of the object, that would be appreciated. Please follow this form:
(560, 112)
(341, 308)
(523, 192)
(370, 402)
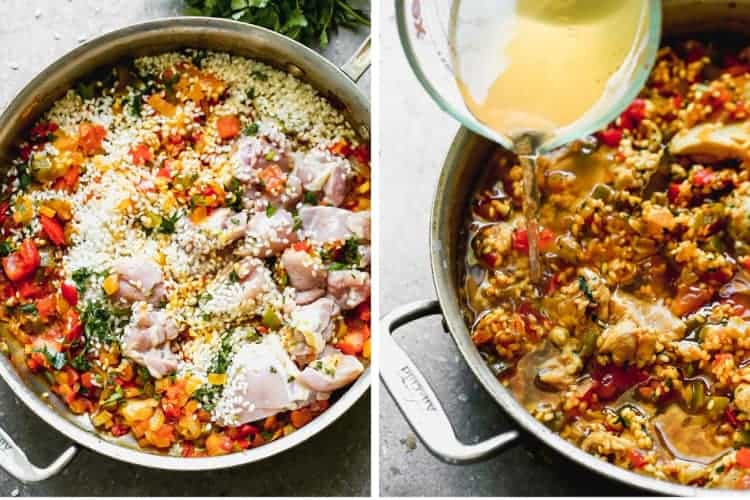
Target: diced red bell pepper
(73, 327)
(703, 177)
(611, 137)
(731, 416)
(22, 263)
(118, 430)
(46, 306)
(520, 239)
(140, 154)
(164, 172)
(90, 136)
(743, 458)
(31, 290)
(362, 153)
(53, 229)
(87, 380)
(636, 459)
(674, 192)
(69, 293)
(353, 342)
(228, 127)
(69, 181)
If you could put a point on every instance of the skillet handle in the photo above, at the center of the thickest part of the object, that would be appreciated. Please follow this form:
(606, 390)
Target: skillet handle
(359, 62)
(416, 399)
(15, 462)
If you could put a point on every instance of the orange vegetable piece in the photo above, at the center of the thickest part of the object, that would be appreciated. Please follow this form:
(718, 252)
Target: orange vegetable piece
(300, 417)
(90, 136)
(743, 458)
(228, 127)
(161, 106)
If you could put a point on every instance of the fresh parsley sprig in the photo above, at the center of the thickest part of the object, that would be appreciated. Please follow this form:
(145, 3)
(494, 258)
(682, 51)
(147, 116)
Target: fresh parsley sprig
(309, 21)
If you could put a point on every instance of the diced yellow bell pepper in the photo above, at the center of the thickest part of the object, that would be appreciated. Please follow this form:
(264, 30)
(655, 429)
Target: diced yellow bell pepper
(217, 378)
(111, 284)
(47, 211)
(24, 210)
(366, 349)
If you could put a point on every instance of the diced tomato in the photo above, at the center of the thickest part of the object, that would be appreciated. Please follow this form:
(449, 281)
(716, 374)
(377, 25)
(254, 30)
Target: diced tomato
(363, 312)
(141, 154)
(90, 136)
(302, 246)
(73, 326)
(743, 458)
(53, 229)
(69, 180)
(731, 416)
(164, 172)
(636, 459)
(520, 239)
(610, 381)
(352, 343)
(228, 127)
(703, 177)
(4, 206)
(611, 137)
(23, 263)
(46, 306)
(31, 290)
(87, 380)
(341, 148)
(674, 192)
(637, 110)
(118, 430)
(677, 102)
(69, 293)
(362, 153)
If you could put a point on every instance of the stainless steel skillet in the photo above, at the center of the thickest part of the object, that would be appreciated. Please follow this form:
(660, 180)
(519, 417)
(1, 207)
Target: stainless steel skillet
(338, 84)
(410, 390)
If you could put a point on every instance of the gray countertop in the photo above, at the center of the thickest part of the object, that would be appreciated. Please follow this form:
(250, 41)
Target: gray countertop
(336, 462)
(415, 136)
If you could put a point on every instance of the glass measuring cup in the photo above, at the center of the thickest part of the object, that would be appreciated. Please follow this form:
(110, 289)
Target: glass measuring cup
(424, 29)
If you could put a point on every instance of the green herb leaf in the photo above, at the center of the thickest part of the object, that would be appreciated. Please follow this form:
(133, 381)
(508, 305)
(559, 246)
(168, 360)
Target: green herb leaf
(81, 277)
(29, 308)
(251, 129)
(168, 224)
(56, 359)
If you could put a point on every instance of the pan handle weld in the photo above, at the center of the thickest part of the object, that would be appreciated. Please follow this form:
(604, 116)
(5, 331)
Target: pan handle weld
(15, 462)
(416, 399)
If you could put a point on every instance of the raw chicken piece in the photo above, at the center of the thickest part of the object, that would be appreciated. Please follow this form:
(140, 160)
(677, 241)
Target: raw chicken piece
(714, 141)
(332, 371)
(319, 170)
(315, 322)
(348, 287)
(225, 224)
(325, 224)
(305, 271)
(655, 316)
(262, 381)
(238, 287)
(268, 235)
(139, 280)
(308, 296)
(146, 339)
(258, 152)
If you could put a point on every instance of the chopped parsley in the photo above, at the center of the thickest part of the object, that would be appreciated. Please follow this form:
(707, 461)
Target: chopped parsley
(97, 321)
(56, 359)
(310, 198)
(351, 254)
(259, 75)
(29, 308)
(270, 210)
(336, 266)
(24, 177)
(5, 248)
(207, 395)
(251, 129)
(80, 362)
(234, 277)
(86, 90)
(168, 224)
(220, 362)
(234, 200)
(584, 287)
(81, 277)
